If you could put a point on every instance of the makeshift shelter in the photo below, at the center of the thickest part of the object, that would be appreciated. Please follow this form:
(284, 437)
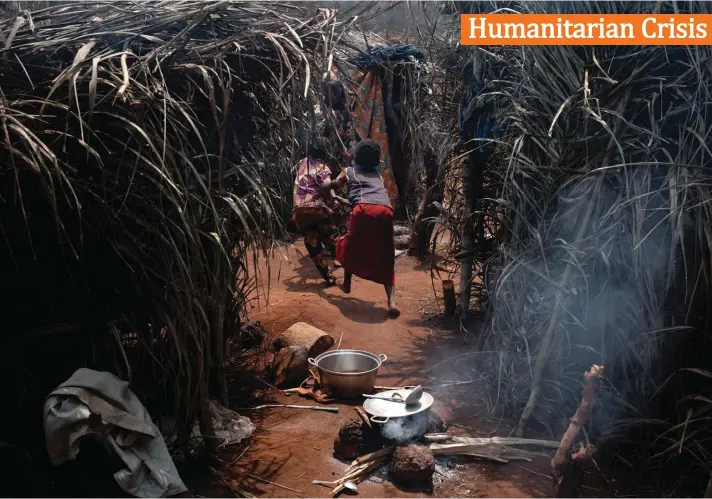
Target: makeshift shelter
(143, 147)
(602, 215)
(381, 79)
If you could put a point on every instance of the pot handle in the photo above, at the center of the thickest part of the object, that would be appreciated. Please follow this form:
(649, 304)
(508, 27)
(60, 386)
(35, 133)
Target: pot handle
(380, 419)
(312, 361)
(383, 357)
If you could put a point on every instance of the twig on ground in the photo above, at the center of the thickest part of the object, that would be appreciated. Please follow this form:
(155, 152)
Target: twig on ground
(233, 488)
(275, 484)
(234, 461)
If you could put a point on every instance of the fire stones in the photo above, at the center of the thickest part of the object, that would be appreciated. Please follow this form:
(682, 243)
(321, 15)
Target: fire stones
(356, 439)
(412, 465)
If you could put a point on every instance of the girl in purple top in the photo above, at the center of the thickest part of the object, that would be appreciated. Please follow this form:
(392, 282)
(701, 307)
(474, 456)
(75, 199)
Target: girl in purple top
(311, 212)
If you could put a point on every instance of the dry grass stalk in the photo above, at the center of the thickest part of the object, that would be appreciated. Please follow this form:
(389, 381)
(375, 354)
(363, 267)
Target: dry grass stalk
(601, 210)
(158, 137)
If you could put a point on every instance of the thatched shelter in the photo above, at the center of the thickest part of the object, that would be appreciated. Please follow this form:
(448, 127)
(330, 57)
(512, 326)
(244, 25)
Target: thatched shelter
(143, 144)
(602, 219)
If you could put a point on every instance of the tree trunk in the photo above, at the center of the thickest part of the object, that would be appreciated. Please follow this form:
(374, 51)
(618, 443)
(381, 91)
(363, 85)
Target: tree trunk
(290, 366)
(217, 325)
(305, 335)
(422, 228)
(466, 239)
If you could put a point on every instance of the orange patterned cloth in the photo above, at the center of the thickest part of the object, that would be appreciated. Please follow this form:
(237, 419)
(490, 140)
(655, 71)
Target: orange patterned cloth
(369, 122)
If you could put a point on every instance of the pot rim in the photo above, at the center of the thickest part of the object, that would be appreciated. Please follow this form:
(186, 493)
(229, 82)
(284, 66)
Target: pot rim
(380, 359)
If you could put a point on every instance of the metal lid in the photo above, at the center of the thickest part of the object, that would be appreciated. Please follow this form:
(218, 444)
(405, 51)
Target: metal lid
(386, 409)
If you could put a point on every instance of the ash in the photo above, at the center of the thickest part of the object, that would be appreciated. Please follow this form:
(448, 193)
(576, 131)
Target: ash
(445, 468)
(380, 475)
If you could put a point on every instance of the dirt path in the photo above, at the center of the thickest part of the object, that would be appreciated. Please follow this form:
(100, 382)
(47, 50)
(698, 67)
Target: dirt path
(294, 447)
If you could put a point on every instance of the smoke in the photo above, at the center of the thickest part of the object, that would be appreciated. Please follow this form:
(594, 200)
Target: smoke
(404, 429)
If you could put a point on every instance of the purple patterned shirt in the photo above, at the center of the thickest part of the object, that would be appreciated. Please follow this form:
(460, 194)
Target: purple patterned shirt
(307, 181)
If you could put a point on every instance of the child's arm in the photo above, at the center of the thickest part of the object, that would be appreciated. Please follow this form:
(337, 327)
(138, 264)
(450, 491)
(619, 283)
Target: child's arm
(333, 185)
(341, 201)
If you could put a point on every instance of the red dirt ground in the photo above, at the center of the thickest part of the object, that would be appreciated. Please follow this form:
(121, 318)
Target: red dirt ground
(293, 447)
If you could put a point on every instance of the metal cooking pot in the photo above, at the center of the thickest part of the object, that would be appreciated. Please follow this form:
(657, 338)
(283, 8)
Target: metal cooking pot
(348, 373)
(382, 411)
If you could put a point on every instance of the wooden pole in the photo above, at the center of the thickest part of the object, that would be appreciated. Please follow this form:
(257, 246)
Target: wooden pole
(449, 298)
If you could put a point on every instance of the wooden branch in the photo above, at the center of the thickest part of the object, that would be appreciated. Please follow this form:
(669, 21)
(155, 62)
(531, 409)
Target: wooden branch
(588, 399)
(371, 457)
(566, 483)
(363, 416)
(498, 449)
(359, 476)
(437, 437)
(485, 441)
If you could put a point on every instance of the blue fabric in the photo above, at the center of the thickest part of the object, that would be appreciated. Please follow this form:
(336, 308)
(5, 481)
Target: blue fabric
(379, 53)
(478, 124)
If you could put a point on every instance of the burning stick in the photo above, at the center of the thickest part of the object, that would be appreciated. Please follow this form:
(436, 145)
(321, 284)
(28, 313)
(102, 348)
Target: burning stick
(588, 400)
(437, 437)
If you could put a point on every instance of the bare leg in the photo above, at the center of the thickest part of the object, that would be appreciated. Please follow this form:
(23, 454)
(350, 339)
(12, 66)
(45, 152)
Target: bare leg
(392, 306)
(347, 282)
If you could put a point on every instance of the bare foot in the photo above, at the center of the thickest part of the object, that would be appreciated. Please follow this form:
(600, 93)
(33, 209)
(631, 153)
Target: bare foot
(393, 311)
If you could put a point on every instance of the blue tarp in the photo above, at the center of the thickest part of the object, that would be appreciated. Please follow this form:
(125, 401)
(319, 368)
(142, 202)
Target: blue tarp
(379, 54)
(475, 117)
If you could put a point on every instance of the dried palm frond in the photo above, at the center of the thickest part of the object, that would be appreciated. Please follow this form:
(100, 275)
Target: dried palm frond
(146, 147)
(604, 213)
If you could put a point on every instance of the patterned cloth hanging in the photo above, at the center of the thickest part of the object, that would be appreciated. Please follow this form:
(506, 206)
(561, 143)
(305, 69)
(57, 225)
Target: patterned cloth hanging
(369, 121)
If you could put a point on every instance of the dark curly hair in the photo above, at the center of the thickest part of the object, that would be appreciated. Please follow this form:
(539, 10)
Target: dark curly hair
(334, 95)
(367, 155)
(319, 148)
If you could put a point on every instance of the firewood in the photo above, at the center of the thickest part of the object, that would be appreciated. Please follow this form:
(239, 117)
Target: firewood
(358, 476)
(367, 459)
(566, 483)
(488, 441)
(374, 455)
(437, 437)
(290, 366)
(363, 416)
(305, 335)
(492, 450)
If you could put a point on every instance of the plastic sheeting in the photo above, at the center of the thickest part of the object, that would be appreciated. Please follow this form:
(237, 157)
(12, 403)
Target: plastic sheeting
(125, 426)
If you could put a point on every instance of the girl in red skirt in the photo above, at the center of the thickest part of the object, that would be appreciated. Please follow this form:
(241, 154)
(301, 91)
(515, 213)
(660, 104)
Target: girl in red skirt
(367, 250)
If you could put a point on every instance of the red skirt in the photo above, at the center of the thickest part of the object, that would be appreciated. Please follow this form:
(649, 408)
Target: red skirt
(368, 249)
